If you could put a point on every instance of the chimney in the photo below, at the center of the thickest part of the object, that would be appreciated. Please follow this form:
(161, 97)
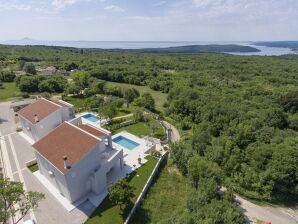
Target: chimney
(36, 118)
(65, 161)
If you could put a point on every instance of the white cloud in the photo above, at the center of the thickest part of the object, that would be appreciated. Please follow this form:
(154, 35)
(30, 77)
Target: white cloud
(61, 4)
(114, 8)
(160, 3)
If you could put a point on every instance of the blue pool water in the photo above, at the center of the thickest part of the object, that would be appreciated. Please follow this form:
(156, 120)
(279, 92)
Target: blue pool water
(90, 117)
(125, 142)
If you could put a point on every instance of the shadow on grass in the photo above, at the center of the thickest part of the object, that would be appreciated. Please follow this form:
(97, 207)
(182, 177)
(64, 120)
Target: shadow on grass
(108, 205)
(141, 216)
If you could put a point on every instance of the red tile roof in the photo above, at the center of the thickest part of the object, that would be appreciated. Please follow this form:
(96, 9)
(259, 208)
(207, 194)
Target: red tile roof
(66, 140)
(92, 130)
(41, 107)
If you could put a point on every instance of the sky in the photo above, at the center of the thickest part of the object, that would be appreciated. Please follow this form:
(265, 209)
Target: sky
(149, 20)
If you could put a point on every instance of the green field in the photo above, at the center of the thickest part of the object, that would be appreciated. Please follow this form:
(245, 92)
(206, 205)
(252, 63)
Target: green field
(107, 213)
(9, 90)
(166, 195)
(159, 97)
(141, 129)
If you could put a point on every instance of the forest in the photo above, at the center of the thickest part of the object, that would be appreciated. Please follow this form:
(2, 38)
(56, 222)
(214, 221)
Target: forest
(237, 115)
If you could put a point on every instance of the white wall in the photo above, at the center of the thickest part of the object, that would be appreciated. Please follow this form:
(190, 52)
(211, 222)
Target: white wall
(67, 113)
(43, 127)
(28, 128)
(58, 180)
(47, 124)
(79, 177)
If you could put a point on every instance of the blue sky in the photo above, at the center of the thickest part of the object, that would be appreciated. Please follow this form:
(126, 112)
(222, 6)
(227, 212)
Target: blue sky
(149, 20)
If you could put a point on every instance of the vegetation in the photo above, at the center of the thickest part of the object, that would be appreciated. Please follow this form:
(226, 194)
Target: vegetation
(142, 129)
(121, 193)
(15, 203)
(33, 167)
(164, 202)
(109, 213)
(238, 114)
(9, 90)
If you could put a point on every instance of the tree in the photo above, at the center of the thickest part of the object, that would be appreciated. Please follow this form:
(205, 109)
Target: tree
(146, 101)
(130, 95)
(29, 83)
(80, 78)
(207, 191)
(290, 102)
(219, 211)
(120, 193)
(138, 115)
(15, 203)
(73, 89)
(7, 75)
(181, 153)
(52, 85)
(21, 64)
(200, 170)
(71, 66)
(107, 110)
(29, 68)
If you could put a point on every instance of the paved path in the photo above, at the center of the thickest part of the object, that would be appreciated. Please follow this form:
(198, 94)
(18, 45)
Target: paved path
(174, 134)
(124, 116)
(274, 215)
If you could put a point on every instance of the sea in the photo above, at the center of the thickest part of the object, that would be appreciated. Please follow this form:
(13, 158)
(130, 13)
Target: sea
(269, 51)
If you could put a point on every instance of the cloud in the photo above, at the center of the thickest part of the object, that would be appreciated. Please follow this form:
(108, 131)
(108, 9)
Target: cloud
(61, 4)
(114, 8)
(160, 3)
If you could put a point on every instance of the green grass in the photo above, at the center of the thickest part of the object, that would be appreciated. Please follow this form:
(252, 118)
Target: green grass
(142, 129)
(9, 90)
(123, 111)
(165, 199)
(107, 213)
(33, 167)
(159, 97)
(78, 102)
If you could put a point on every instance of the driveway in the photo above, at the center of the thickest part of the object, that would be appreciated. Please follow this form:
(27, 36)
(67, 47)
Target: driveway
(174, 135)
(274, 215)
(15, 152)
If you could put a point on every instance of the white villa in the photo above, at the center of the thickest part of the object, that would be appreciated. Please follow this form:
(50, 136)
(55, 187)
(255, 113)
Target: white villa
(42, 116)
(77, 158)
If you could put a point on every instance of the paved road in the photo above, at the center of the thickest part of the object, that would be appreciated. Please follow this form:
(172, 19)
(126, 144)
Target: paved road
(6, 119)
(265, 213)
(174, 133)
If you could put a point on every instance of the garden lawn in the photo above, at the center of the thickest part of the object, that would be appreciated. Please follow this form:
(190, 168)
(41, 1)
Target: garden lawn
(159, 97)
(33, 167)
(142, 129)
(80, 103)
(165, 200)
(9, 90)
(107, 213)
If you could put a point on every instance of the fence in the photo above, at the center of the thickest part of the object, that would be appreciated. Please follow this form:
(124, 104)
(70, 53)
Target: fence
(146, 187)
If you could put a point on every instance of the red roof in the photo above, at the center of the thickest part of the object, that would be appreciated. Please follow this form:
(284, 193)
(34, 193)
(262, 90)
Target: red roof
(41, 107)
(92, 130)
(66, 140)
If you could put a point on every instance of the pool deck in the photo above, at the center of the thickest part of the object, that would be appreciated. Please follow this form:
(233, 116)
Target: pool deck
(87, 121)
(131, 155)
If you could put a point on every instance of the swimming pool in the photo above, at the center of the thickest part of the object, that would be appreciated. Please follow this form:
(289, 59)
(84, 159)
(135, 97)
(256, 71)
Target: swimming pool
(125, 142)
(90, 117)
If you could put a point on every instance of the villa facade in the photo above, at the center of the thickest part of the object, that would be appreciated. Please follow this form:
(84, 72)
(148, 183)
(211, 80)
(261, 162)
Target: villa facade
(42, 116)
(77, 159)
